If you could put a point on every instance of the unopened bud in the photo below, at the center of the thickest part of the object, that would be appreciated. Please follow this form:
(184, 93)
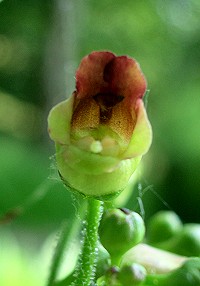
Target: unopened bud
(132, 274)
(162, 226)
(120, 230)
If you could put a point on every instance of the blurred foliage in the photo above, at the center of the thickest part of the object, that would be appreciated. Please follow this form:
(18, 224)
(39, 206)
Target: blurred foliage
(23, 31)
(164, 36)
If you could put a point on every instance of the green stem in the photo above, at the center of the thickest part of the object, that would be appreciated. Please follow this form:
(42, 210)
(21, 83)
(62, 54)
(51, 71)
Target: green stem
(58, 254)
(85, 270)
(69, 232)
(63, 243)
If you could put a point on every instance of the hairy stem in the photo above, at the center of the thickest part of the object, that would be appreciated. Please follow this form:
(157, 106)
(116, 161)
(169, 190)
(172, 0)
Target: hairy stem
(85, 270)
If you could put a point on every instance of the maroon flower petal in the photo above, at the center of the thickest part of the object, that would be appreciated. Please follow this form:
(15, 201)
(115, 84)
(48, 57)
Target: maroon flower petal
(125, 78)
(122, 121)
(89, 76)
(107, 88)
(86, 115)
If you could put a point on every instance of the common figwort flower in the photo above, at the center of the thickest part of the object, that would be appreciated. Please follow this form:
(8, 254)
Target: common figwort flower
(102, 130)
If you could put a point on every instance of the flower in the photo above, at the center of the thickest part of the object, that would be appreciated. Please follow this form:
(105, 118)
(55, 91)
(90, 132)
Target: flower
(102, 130)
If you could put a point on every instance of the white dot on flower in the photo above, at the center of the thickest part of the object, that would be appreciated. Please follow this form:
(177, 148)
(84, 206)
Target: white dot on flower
(96, 147)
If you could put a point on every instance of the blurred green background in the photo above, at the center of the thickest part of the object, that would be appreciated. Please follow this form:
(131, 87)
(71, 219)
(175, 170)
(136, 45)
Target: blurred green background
(41, 45)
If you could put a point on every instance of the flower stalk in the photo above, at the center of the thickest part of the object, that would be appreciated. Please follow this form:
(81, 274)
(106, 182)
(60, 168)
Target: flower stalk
(85, 271)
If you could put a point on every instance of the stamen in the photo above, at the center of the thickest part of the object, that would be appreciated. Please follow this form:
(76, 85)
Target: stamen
(85, 143)
(96, 147)
(110, 147)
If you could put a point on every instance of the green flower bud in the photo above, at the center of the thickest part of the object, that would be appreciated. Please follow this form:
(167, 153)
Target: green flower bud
(187, 275)
(162, 226)
(110, 278)
(132, 274)
(102, 131)
(187, 242)
(120, 230)
(103, 261)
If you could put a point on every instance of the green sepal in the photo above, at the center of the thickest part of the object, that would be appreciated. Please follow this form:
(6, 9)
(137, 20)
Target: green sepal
(97, 185)
(84, 161)
(59, 121)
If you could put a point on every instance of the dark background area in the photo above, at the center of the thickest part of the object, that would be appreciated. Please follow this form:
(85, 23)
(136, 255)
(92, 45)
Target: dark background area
(41, 45)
